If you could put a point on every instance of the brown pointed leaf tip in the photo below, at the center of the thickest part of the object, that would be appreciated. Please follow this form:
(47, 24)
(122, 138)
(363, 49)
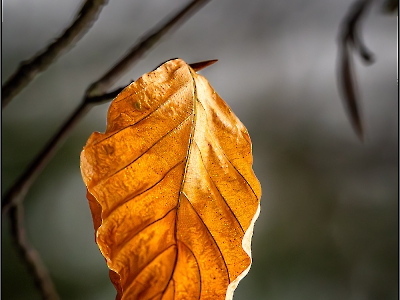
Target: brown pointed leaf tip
(171, 189)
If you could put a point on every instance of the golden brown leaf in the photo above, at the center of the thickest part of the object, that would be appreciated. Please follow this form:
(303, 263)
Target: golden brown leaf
(171, 189)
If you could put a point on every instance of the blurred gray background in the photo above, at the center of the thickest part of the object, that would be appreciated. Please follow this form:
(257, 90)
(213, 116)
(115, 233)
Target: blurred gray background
(328, 227)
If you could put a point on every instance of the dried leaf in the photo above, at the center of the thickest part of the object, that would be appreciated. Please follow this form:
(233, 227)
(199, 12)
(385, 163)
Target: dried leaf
(171, 189)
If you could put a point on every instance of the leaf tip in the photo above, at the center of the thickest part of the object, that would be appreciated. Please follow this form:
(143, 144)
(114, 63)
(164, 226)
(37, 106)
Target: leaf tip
(202, 64)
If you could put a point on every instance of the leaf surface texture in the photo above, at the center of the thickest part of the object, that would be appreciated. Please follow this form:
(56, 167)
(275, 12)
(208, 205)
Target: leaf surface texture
(171, 189)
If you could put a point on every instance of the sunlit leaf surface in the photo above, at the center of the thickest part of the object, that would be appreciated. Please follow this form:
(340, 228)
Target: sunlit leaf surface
(171, 189)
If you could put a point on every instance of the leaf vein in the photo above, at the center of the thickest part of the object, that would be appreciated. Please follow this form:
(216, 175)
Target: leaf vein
(149, 188)
(144, 152)
(212, 237)
(154, 258)
(213, 182)
(227, 158)
(128, 239)
(197, 263)
(137, 122)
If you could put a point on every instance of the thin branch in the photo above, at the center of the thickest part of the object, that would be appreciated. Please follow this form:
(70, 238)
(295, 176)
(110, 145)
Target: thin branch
(27, 70)
(143, 45)
(18, 191)
(350, 39)
(13, 200)
(30, 256)
(390, 6)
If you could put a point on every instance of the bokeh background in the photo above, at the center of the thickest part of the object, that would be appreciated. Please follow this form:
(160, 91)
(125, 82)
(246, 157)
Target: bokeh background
(328, 227)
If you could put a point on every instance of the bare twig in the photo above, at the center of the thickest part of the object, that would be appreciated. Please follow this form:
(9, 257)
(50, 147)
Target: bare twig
(18, 191)
(349, 39)
(390, 6)
(143, 45)
(95, 94)
(30, 256)
(27, 70)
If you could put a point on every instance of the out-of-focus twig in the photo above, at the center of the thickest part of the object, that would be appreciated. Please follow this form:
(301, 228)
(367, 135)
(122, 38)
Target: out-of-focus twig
(30, 256)
(95, 94)
(18, 191)
(27, 70)
(390, 6)
(13, 200)
(350, 39)
(92, 96)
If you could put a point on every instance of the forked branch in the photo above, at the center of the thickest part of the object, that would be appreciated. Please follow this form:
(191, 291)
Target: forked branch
(143, 45)
(95, 94)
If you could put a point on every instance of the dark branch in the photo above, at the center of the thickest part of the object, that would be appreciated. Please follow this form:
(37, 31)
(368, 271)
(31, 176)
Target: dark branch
(95, 94)
(30, 256)
(350, 39)
(144, 44)
(103, 98)
(18, 191)
(27, 70)
(390, 6)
